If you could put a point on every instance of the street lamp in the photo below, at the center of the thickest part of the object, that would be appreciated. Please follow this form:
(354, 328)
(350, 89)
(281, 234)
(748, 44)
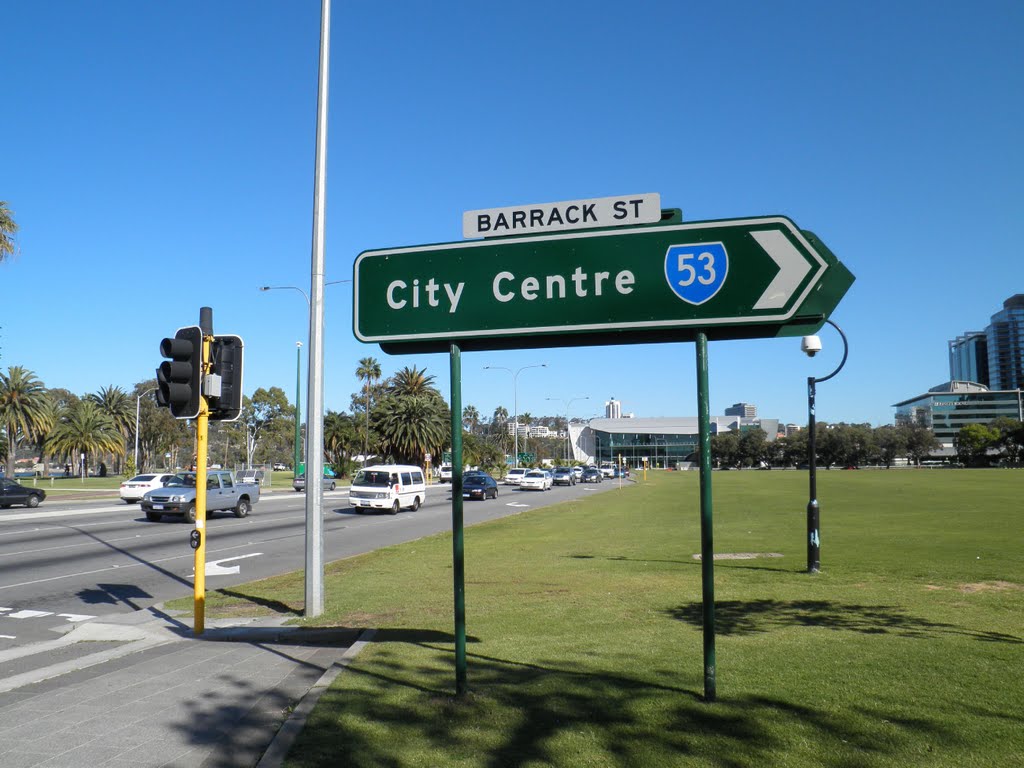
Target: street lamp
(811, 345)
(138, 403)
(515, 398)
(298, 396)
(567, 403)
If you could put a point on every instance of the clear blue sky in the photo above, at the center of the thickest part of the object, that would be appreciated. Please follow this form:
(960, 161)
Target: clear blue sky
(159, 158)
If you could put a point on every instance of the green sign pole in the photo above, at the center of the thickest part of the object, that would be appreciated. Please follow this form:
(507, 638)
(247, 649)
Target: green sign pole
(707, 549)
(458, 553)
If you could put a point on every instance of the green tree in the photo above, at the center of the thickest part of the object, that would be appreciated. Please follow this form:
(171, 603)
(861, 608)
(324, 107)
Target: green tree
(120, 407)
(84, 428)
(471, 418)
(259, 414)
(412, 382)
(23, 409)
(8, 231)
(1011, 437)
(921, 441)
(751, 447)
(892, 443)
(368, 372)
(973, 442)
(725, 449)
(341, 441)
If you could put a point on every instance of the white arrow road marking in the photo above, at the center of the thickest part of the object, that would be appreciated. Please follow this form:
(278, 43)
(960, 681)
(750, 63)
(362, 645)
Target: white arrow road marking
(517, 505)
(28, 614)
(793, 267)
(214, 567)
(74, 618)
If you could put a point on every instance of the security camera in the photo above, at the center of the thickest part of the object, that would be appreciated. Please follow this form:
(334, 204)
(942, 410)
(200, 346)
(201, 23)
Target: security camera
(810, 345)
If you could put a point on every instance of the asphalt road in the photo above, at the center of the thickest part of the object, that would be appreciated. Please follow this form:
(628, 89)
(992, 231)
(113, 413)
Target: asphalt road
(68, 562)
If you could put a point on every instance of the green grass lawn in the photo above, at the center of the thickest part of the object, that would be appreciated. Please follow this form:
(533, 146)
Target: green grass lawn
(584, 625)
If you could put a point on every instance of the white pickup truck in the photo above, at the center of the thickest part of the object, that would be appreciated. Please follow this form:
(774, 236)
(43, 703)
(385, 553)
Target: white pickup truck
(178, 497)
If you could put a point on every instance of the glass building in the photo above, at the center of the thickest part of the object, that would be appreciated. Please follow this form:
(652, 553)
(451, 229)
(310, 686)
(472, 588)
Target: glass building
(968, 358)
(664, 442)
(948, 407)
(1005, 336)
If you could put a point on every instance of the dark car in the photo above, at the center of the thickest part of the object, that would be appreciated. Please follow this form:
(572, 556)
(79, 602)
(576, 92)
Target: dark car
(479, 486)
(564, 476)
(12, 493)
(592, 475)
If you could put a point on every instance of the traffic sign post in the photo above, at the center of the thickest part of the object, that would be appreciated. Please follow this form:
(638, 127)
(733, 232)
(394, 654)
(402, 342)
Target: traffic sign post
(728, 279)
(663, 281)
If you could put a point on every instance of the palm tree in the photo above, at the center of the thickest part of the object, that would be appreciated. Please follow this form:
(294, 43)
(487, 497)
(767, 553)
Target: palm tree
(22, 409)
(118, 405)
(341, 441)
(411, 427)
(470, 418)
(86, 429)
(412, 382)
(8, 229)
(367, 372)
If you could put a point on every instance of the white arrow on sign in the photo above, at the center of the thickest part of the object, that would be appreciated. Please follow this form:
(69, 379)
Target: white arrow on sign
(214, 567)
(792, 268)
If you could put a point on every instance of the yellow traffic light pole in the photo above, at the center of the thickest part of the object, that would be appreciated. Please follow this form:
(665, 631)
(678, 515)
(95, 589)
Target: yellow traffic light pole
(199, 541)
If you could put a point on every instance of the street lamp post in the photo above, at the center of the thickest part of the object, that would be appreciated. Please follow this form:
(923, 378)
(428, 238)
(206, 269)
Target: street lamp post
(567, 403)
(138, 403)
(298, 398)
(515, 399)
(811, 345)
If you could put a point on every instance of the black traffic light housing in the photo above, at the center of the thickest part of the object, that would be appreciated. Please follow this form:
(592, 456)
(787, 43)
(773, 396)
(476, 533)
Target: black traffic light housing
(179, 380)
(225, 363)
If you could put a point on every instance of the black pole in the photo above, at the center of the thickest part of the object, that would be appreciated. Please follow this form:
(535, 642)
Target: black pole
(813, 511)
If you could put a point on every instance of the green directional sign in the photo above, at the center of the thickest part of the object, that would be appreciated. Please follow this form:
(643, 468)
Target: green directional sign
(734, 278)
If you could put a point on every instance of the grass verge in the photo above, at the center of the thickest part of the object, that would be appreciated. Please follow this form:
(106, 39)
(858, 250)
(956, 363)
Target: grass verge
(585, 637)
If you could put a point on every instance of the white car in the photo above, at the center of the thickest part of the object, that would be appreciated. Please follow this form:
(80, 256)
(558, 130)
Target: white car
(515, 476)
(133, 490)
(536, 480)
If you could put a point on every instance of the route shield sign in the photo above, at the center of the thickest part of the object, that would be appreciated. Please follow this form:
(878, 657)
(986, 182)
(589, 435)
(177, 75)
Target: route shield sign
(732, 278)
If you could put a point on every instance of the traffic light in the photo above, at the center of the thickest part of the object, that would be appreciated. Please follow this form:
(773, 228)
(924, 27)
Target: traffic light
(225, 366)
(179, 380)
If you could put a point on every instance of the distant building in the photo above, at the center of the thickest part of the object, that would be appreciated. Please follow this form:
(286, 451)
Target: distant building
(746, 410)
(510, 427)
(993, 357)
(539, 430)
(792, 429)
(664, 442)
(948, 407)
(613, 409)
(968, 358)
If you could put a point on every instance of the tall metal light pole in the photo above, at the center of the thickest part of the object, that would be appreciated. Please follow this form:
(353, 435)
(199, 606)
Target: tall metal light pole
(298, 411)
(567, 403)
(138, 403)
(515, 398)
(811, 346)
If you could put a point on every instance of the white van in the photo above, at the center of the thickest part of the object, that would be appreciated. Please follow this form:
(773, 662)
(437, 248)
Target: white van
(388, 486)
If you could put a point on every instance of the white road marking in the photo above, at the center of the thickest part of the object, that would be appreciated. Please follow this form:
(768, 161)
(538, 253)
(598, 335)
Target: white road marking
(74, 618)
(8, 637)
(516, 505)
(28, 614)
(214, 567)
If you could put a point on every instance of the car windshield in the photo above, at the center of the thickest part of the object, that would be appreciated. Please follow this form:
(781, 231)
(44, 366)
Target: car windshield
(372, 478)
(474, 480)
(535, 474)
(182, 481)
(142, 478)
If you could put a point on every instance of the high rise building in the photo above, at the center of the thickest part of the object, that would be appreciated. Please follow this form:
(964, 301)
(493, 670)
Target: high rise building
(1005, 336)
(968, 358)
(613, 409)
(746, 410)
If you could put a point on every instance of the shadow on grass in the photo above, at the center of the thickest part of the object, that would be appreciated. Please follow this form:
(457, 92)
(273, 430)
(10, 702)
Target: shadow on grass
(277, 606)
(745, 617)
(395, 711)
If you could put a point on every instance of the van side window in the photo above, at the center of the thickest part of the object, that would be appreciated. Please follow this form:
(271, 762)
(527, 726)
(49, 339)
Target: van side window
(406, 478)
(417, 477)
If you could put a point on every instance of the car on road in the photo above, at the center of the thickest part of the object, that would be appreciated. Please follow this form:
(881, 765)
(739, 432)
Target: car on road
(279, 467)
(578, 471)
(536, 480)
(515, 475)
(179, 496)
(591, 475)
(479, 485)
(12, 493)
(299, 483)
(608, 469)
(563, 476)
(133, 490)
(445, 475)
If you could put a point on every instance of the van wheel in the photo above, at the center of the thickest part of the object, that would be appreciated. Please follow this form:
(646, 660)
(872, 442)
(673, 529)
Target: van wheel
(394, 508)
(190, 514)
(415, 503)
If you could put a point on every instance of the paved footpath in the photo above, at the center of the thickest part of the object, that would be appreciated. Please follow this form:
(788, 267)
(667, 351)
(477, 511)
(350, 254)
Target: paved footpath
(142, 690)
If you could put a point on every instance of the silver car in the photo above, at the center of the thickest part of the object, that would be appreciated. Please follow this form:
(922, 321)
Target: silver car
(299, 483)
